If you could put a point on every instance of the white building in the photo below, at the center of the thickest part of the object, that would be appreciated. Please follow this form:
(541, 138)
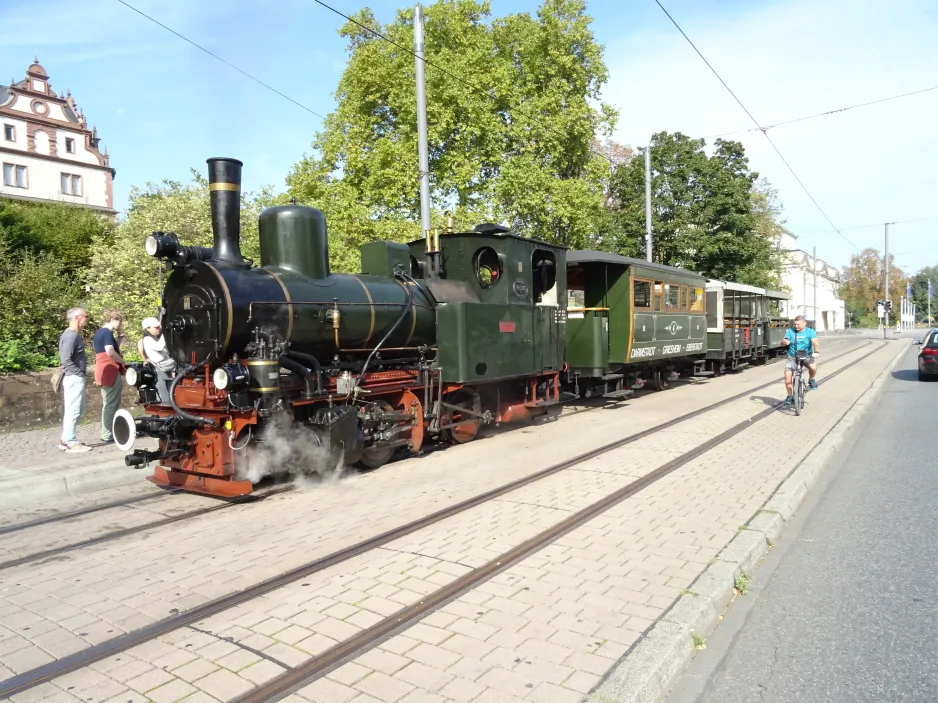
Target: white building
(798, 277)
(47, 150)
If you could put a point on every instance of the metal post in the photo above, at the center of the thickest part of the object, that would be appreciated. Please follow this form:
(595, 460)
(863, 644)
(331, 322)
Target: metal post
(422, 152)
(648, 203)
(886, 268)
(814, 266)
(929, 302)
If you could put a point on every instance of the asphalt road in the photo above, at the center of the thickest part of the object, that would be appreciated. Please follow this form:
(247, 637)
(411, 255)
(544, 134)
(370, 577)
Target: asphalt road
(845, 607)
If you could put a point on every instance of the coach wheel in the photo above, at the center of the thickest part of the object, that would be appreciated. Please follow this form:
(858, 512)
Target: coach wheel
(469, 426)
(660, 379)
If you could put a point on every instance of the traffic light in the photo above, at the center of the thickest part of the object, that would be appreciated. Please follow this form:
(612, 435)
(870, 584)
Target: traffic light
(888, 306)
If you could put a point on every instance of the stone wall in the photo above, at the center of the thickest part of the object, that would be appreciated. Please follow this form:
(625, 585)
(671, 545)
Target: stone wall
(27, 401)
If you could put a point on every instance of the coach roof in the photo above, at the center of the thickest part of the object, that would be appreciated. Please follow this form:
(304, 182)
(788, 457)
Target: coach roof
(590, 256)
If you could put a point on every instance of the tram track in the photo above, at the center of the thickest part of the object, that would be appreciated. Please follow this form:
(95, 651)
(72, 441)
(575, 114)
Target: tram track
(64, 549)
(96, 653)
(371, 637)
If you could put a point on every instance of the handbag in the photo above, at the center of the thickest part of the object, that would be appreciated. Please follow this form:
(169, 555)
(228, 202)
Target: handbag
(57, 377)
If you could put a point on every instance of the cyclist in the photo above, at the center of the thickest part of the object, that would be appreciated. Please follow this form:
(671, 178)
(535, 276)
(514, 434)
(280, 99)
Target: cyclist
(800, 339)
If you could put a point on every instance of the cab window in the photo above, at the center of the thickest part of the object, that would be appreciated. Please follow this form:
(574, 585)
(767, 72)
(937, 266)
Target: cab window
(544, 269)
(488, 267)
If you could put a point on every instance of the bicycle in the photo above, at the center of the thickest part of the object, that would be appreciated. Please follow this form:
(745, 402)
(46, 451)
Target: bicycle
(799, 381)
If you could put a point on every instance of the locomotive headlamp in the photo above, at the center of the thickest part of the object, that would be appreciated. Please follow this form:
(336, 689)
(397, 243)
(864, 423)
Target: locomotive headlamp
(139, 376)
(162, 246)
(230, 377)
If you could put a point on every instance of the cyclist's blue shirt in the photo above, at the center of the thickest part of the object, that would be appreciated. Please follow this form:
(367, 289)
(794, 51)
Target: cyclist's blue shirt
(803, 341)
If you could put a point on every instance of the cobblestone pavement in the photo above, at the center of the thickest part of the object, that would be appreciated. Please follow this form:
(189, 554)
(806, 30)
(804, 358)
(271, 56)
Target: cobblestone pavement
(546, 629)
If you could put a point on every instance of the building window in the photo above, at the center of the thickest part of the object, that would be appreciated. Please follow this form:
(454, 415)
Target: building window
(14, 176)
(9, 132)
(69, 145)
(71, 184)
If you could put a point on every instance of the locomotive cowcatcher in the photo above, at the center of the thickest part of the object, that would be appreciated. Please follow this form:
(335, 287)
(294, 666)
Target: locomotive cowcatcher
(431, 341)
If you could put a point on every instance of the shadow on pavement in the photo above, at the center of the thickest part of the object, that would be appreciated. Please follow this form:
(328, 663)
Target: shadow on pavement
(905, 375)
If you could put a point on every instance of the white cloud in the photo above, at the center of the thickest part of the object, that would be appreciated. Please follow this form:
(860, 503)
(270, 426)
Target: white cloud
(790, 59)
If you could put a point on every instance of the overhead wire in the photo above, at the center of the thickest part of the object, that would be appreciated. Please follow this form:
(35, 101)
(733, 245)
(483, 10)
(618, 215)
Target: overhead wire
(216, 56)
(490, 94)
(756, 123)
(870, 226)
(824, 114)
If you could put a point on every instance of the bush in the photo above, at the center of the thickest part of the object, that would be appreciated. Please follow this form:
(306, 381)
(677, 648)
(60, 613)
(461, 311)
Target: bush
(21, 355)
(35, 293)
(64, 231)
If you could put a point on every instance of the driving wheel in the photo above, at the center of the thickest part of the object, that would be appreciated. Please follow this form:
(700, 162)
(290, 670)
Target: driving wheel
(469, 426)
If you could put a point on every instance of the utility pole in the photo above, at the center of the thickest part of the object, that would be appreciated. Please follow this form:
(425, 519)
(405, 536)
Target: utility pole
(886, 268)
(814, 266)
(929, 303)
(422, 151)
(648, 203)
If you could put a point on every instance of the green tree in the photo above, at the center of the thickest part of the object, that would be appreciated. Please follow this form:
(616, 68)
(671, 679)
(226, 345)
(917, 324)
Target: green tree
(920, 292)
(864, 282)
(121, 274)
(707, 213)
(519, 153)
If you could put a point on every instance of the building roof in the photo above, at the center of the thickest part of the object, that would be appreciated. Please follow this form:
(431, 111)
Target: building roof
(36, 70)
(591, 256)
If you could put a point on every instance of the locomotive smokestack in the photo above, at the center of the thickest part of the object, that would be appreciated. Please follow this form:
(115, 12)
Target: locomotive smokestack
(224, 185)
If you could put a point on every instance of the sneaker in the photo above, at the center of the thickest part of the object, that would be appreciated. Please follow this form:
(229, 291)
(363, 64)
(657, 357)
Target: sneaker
(62, 446)
(789, 400)
(812, 384)
(107, 441)
(77, 448)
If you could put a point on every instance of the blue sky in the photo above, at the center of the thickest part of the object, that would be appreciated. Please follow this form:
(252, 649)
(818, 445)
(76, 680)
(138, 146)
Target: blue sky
(161, 106)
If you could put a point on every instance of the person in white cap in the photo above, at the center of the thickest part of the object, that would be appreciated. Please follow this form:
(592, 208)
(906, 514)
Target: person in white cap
(155, 353)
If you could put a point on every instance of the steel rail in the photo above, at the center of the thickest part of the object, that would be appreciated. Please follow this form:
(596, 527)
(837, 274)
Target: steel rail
(49, 519)
(352, 648)
(65, 548)
(34, 677)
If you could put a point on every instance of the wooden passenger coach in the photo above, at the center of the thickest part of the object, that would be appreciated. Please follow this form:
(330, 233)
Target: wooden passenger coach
(630, 322)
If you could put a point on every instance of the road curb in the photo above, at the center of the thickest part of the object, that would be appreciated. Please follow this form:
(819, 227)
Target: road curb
(71, 482)
(651, 667)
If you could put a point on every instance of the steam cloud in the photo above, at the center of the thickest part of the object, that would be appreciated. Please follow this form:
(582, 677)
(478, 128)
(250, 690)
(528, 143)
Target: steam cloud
(288, 448)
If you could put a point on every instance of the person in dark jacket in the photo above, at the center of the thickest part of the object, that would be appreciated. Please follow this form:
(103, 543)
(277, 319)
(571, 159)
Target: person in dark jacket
(108, 365)
(75, 364)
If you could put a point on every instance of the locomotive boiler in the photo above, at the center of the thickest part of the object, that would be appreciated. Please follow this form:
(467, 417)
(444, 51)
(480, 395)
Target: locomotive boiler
(432, 340)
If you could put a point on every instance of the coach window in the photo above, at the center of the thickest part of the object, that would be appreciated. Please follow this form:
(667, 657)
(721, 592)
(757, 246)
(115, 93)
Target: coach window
(641, 293)
(696, 299)
(730, 305)
(658, 289)
(672, 297)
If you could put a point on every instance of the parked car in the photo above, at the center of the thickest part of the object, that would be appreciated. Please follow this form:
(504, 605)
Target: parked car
(928, 356)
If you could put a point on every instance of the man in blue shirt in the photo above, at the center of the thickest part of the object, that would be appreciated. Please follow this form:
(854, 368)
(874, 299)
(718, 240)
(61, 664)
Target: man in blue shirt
(800, 339)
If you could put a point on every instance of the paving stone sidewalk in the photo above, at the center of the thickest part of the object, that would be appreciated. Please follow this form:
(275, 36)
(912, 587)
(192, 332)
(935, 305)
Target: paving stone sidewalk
(545, 630)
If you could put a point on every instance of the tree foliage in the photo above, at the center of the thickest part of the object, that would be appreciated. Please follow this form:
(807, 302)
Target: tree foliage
(35, 292)
(512, 114)
(920, 292)
(121, 274)
(864, 282)
(707, 213)
(64, 231)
